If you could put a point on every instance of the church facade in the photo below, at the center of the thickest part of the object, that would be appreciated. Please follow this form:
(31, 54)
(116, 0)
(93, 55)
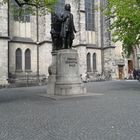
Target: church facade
(26, 45)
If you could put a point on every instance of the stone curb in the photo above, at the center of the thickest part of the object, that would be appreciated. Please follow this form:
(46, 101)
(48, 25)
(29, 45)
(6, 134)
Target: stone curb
(60, 97)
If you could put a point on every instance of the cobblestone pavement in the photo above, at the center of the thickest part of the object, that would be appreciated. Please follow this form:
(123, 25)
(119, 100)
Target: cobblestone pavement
(114, 115)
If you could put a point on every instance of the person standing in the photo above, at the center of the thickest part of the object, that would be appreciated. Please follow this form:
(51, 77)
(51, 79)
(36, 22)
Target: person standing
(134, 74)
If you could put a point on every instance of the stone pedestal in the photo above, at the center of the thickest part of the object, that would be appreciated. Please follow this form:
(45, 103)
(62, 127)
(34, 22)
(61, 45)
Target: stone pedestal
(52, 75)
(66, 79)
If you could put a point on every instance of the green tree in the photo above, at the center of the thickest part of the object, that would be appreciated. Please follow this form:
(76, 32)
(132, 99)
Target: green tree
(18, 6)
(33, 3)
(125, 22)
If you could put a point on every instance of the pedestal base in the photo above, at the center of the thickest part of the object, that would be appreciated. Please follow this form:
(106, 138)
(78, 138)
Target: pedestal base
(51, 84)
(68, 81)
(69, 89)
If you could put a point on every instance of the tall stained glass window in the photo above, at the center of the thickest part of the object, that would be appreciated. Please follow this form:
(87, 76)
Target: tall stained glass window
(21, 15)
(90, 15)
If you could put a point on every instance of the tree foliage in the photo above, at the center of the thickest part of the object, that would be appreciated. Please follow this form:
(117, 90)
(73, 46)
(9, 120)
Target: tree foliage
(125, 22)
(30, 6)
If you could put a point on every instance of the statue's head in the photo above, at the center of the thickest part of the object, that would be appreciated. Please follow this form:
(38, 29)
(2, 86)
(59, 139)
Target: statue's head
(67, 7)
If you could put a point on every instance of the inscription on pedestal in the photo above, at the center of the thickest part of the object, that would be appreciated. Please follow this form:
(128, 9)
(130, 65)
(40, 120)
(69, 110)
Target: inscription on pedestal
(71, 61)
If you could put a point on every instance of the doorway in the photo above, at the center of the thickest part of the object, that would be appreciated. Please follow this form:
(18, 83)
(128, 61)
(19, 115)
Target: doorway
(121, 71)
(130, 66)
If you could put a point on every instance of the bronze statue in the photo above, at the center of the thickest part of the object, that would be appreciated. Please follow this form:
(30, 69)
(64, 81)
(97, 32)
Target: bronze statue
(67, 28)
(55, 31)
(63, 29)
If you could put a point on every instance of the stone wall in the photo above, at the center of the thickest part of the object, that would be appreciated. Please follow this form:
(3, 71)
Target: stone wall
(3, 44)
(3, 61)
(45, 58)
(82, 59)
(3, 20)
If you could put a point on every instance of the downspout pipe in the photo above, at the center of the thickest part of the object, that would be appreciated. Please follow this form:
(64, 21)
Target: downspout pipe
(8, 26)
(37, 39)
(102, 38)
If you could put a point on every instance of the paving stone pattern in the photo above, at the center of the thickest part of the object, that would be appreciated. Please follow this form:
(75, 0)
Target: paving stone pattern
(114, 115)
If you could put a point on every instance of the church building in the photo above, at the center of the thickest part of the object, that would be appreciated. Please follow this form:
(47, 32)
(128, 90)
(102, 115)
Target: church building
(26, 44)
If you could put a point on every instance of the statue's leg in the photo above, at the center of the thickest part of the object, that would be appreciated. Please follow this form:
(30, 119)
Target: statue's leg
(63, 43)
(69, 41)
(55, 43)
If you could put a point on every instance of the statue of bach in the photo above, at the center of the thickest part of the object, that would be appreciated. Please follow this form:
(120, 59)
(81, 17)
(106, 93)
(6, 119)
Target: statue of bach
(63, 29)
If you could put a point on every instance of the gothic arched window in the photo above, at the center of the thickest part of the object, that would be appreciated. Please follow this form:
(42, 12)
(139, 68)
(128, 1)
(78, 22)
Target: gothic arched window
(90, 15)
(88, 62)
(18, 59)
(94, 62)
(28, 59)
(23, 15)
